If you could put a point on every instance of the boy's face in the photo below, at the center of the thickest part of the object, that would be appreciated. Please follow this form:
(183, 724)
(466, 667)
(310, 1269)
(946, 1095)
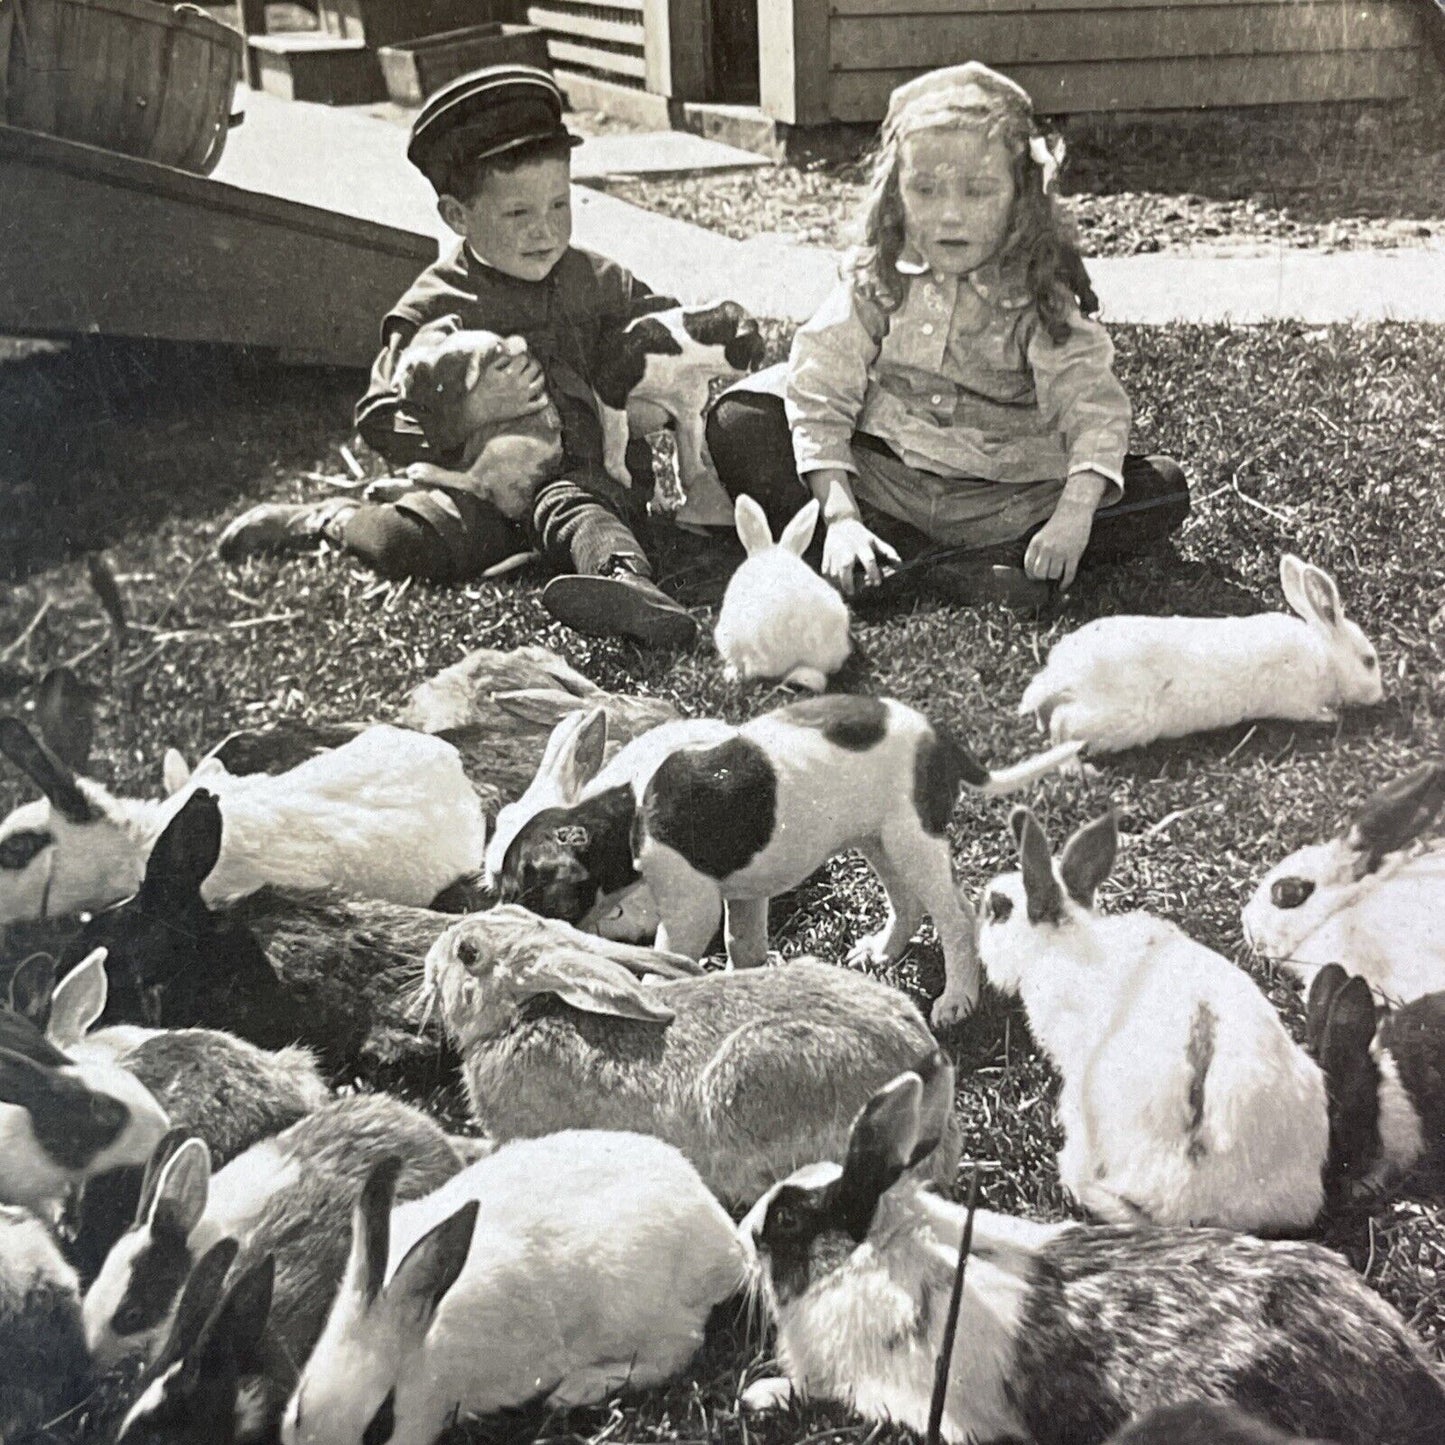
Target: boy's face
(519, 222)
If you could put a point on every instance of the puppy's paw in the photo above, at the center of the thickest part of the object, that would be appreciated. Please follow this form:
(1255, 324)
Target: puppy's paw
(876, 950)
(953, 1007)
(426, 474)
(387, 489)
(773, 1393)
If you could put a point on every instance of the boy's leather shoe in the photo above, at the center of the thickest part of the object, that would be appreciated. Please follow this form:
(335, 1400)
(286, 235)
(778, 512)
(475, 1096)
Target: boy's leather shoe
(620, 603)
(283, 527)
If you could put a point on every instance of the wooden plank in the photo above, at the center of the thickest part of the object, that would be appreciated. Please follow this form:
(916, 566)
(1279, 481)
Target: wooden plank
(564, 22)
(793, 60)
(201, 261)
(1170, 84)
(678, 48)
(908, 41)
(610, 62)
(890, 9)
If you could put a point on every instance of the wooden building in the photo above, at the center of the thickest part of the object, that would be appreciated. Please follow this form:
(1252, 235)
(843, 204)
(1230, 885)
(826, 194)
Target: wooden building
(808, 62)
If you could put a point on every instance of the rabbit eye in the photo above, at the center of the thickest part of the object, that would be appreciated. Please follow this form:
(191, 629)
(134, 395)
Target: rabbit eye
(467, 952)
(18, 849)
(1290, 892)
(785, 1218)
(1000, 907)
(1371, 663)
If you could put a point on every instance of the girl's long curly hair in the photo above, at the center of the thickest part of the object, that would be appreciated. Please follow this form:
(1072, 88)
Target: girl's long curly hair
(1040, 246)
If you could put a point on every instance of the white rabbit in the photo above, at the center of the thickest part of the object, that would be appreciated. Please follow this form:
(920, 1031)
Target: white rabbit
(1066, 1331)
(779, 618)
(566, 1267)
(1184, 1101)
(1121, 682)
(1371, 899)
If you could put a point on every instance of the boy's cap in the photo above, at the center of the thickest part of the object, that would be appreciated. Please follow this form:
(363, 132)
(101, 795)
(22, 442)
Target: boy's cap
(484, 114)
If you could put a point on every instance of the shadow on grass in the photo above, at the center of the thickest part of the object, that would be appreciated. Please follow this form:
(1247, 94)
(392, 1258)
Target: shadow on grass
(106, 439)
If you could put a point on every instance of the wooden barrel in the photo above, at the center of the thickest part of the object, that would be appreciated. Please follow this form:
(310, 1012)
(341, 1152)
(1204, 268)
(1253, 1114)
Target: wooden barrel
(134, 76)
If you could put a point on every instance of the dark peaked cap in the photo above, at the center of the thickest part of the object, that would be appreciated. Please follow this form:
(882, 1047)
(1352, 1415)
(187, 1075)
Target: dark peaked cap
(484, 114)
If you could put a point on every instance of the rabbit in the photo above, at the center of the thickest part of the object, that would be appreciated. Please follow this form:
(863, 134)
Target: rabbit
(1203, 1422)
(439, 380)
(226, 1091)
(43, 1360)
(779, 619)
(1184, 1101)
(1066, 1331)
(567, 1267)
(64, 1120)
(211, 1381)
(1121, 682)
(745, 1072)
(1371, 899)
(718, 819)
(1386, 1081)
(335, 973)
(388, 815)
(289, 1195)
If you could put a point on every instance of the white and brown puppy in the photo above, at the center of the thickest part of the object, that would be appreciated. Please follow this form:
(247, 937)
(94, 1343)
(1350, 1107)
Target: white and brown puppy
(670, 360)
(440, 379)
(739, 814)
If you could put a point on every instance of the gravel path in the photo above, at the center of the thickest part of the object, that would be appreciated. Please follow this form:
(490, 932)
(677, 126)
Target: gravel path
(1325, 178)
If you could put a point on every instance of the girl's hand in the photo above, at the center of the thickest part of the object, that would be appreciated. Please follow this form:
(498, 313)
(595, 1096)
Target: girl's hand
(512, 386)
(1053, 554)
(849, 545)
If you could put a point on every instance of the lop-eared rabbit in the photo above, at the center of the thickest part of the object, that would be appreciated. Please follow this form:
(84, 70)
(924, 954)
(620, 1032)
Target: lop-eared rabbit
(1386, 1081)
(1371, 899)
(1184, 1101)
(43, 1361)
(711, 816)
(289, 1196)
(565, 1268)
(1121, 682)
(336, 973)
(1066, 1331)
(745, 1072)
(388, 815)
(65, 1119)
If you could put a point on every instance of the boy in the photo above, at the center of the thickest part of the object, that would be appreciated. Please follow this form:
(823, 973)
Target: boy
(495, 149)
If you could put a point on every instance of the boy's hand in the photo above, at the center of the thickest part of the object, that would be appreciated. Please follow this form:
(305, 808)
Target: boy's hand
(1053, 554)
(512, 386)
(850, 545)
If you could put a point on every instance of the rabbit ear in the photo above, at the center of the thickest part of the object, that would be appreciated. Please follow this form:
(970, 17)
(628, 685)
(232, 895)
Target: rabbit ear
(1291, 581)
(1350, 1028)
(45, 770)
(1327, 983)
(371, 1231)
(1041, 888)
(880, 1146)
(161, 1155)
(542, 705)
(574, 752)
(594, 985)
(175, 771)
(181, 1190)
(186, 851)
(1087, 858)
(936, 1106)
(198, 1300)
(79, 1000)
(752, 524)
(1323, 598)
(636, 958)
(230, 1339)
(32, 990)
(65, 713)
(1397, 814)
(430, 1268)
(799, 532)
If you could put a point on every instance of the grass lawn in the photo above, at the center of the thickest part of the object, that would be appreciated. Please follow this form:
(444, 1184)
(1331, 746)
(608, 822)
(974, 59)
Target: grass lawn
(1324, 441)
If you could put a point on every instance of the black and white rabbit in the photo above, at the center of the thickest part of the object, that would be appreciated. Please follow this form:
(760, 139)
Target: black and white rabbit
(1386, 1080)
(1203, 1422)
(290, 1195)
(1066, 1331)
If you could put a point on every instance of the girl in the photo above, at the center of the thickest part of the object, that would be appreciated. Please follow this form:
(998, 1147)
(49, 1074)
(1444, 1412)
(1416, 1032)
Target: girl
(950, 402)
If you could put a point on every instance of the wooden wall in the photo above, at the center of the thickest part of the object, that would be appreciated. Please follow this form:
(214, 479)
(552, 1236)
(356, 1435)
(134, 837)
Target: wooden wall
(1082, 55)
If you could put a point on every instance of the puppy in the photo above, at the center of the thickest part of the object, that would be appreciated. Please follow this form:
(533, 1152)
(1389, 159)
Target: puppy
(670, 359)
(439, 378)
(731, 816)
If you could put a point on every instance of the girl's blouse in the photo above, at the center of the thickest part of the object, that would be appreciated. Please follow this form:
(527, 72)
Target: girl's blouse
(961, 380)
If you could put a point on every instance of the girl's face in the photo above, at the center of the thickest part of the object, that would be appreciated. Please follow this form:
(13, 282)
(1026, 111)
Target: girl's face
(957, 188)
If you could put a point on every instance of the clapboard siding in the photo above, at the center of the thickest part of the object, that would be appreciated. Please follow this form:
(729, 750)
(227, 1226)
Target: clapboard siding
(1169, 84)
(1078, 55)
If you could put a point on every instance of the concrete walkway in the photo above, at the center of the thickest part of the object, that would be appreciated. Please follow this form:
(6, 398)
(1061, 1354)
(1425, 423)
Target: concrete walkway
(355, 163)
